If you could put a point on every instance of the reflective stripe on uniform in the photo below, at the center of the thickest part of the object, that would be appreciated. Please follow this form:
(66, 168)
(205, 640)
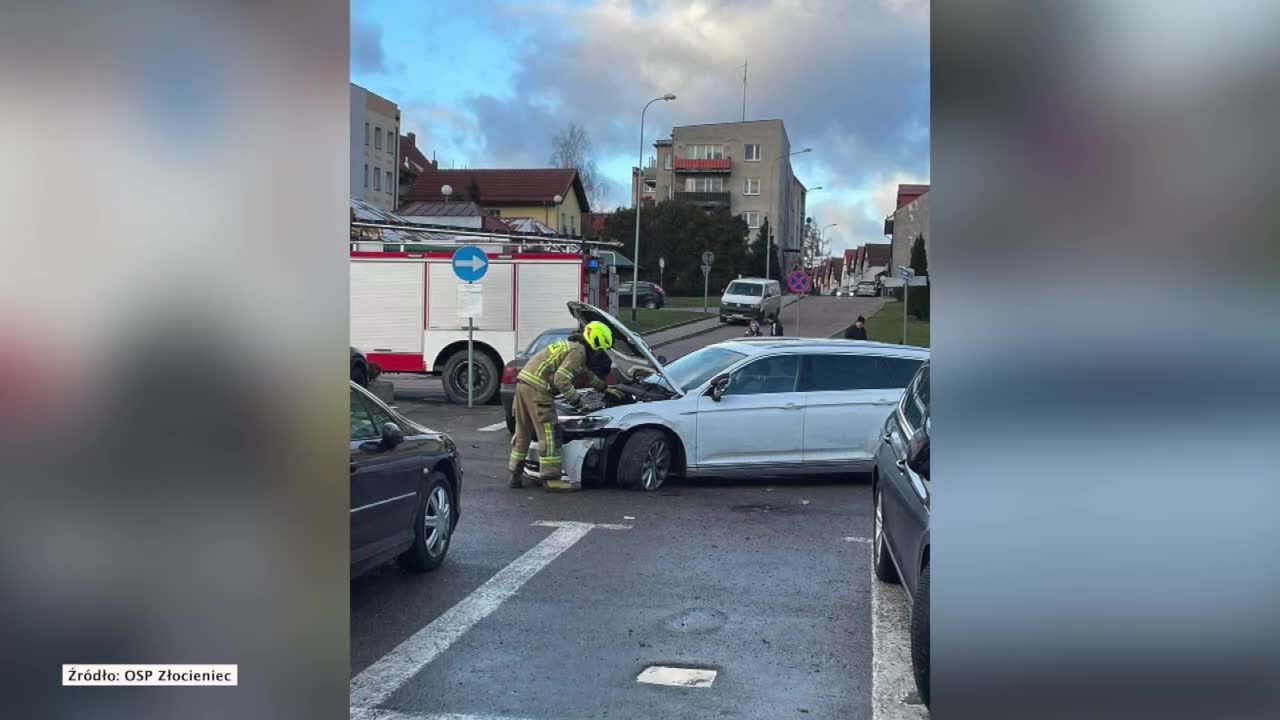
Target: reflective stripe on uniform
(550, 449)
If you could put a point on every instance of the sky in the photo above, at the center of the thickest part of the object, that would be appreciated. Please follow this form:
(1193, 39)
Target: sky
(488, 83)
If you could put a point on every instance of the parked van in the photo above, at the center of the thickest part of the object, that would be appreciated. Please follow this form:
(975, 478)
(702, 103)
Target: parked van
(750, 298)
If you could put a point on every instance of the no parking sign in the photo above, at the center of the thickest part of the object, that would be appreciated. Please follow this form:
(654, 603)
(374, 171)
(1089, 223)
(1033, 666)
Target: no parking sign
(799, 282)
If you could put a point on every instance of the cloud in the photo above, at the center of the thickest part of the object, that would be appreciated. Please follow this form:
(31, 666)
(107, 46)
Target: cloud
(366, 48)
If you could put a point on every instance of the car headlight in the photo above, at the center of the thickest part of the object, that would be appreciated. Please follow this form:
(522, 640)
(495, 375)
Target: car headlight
(586, 422)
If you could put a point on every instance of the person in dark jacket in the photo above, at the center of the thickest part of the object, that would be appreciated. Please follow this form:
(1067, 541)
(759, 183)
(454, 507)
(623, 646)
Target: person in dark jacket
(858, 330)
(775, 326)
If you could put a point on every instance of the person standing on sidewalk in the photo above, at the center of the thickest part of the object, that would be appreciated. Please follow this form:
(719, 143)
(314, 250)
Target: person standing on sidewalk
(775, 326)
(858, 330)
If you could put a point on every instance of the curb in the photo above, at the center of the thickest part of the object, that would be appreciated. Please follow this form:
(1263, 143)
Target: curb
(786, 303)
(673, 326)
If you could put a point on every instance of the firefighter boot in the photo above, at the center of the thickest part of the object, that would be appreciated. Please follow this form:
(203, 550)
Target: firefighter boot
(559, 485)
(517, 477)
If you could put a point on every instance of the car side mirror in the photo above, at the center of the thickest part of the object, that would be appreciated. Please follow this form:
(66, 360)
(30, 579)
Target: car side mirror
(392, 435)
(718, 387)
(918, 453)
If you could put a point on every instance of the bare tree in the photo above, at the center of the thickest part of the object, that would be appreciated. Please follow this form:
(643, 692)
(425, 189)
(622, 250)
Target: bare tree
(814, 248)
(571, 148)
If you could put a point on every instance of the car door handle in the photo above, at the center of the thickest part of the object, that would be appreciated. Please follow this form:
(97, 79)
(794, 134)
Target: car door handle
(791, 406)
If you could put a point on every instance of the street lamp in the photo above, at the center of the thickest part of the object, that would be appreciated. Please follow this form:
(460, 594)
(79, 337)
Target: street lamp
(635, 259)
(446, 191)
(557, 200)
(767, 249)
(822, 233)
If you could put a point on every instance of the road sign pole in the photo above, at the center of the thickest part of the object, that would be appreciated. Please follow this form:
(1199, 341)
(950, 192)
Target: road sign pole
(706, 278)
(906, 295)
(471, 364)
(798, 301)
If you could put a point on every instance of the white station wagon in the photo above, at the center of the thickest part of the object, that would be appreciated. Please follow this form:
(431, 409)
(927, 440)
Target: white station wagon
(749, 407)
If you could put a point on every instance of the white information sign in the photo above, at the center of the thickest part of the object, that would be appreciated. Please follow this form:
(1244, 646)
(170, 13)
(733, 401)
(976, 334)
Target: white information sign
(470, 300)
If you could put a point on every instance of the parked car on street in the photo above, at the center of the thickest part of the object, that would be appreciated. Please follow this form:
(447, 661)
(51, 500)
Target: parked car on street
(746, 407)
(406, 487)
(651, 295)
(748, 299)
(900, 492)
(866, 288)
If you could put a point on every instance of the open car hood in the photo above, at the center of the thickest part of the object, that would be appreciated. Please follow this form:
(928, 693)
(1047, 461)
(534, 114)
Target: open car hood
(629, 352)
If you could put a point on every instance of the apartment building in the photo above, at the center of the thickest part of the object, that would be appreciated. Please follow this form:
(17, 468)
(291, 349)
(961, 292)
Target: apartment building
(375, 156)
(742, 166)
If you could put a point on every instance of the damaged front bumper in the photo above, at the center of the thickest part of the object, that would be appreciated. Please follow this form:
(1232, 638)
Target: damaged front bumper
(585, 441)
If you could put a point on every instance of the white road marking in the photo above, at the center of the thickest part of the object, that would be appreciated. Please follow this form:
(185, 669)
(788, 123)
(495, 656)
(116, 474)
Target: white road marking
(891, 679)
(574, 523)
(677, 677)
(378, 681)
(857, 540)
(494, 427)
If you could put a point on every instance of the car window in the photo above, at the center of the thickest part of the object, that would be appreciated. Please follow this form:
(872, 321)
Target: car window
(692, 370)
(541, 342)
(362, 427)
(857, 372)
(765, 376)
(915, 401)
(380, 416)
(748, 289)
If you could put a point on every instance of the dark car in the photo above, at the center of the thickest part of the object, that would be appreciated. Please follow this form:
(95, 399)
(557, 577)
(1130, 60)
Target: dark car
(650, 296)
(406, 488)
(601, 366)
(900, 490)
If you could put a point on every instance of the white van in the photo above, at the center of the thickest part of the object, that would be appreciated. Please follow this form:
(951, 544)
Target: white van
(750, 298)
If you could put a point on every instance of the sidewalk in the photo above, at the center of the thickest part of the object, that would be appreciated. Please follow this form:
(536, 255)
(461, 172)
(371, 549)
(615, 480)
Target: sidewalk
(665, 337)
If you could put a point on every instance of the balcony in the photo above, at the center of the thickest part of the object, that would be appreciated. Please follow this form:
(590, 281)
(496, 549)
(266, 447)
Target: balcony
(704, 198)
(713, 165)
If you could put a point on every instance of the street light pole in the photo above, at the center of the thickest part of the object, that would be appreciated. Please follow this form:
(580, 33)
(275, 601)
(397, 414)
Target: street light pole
(635, 259)
(768, 251)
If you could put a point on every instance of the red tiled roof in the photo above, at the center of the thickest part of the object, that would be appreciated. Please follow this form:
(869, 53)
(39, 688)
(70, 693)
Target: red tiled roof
(907, 193)
(411, 158)
(878, 254)
(456, 208)
(850, 256)
(497, 187)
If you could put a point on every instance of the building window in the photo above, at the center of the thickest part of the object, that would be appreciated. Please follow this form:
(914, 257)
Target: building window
(377, 178)
(753, 219)
(391, 142)
(704, 152)
(666, 161)
(366, 134)
(366, 174)
(704, 184)
(563, 221)
(377, 138)
(649, 185)
(496, 213)
(389, 184)
(751, 152)
(751, 186)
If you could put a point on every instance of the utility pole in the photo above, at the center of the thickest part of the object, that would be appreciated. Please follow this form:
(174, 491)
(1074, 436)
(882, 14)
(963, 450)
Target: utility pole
(744, 91)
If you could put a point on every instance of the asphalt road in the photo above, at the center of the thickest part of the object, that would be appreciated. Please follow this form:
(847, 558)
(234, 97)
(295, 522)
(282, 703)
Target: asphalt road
(818, 317)
(768, 584)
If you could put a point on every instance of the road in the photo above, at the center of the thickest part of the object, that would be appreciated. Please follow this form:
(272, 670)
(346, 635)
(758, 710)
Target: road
(768, 584)
(818, 317)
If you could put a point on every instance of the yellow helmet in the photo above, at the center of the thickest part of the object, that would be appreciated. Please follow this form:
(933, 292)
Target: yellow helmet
(598, 335)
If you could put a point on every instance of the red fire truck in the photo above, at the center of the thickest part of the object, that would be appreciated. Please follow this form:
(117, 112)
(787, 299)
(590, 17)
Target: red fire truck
(404, 300)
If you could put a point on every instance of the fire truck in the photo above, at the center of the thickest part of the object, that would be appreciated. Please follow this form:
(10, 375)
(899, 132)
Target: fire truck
(405, 307)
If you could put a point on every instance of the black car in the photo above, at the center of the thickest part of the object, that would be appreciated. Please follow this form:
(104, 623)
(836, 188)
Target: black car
(650, 296)
(900, 490)
(512, 369)
(406, 488)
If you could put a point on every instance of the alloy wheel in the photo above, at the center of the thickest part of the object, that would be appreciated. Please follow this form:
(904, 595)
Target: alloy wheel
(438, 520)
(657, 462)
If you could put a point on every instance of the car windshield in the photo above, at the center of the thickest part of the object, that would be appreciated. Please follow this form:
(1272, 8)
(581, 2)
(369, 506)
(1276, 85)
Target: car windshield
(542, 341)
(741, 288)
(694, 369)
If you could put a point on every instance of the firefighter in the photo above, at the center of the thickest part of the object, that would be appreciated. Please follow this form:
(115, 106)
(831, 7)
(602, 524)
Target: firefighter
(552, 371)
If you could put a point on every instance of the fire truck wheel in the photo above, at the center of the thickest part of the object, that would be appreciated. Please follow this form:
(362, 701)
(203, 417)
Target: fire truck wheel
(454, 378)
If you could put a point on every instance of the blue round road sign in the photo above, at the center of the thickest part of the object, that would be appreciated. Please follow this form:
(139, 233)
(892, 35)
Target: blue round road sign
(470, 263)
(799, 281)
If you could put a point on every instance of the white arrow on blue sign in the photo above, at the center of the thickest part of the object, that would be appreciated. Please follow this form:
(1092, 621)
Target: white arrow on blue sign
(470, 263)
(906, 273)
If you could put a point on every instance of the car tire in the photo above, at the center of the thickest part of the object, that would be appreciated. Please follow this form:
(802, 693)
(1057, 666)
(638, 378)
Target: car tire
(920, 635)
(883, 563)
(723, 319)
(359, 374)
(433, 525)
(646, 460)
(511, 424)
(454, 378)
(651, 304)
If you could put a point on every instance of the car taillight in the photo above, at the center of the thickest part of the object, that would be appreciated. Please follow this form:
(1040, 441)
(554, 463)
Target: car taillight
(509, 374)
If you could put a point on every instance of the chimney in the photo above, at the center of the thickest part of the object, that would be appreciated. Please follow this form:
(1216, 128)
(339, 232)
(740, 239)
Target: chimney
(413, 140)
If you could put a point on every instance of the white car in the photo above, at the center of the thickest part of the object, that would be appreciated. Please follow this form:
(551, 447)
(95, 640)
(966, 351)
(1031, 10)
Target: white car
(749, 407)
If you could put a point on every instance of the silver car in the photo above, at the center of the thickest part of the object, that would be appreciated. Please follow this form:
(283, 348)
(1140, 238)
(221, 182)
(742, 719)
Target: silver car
(749, 407)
